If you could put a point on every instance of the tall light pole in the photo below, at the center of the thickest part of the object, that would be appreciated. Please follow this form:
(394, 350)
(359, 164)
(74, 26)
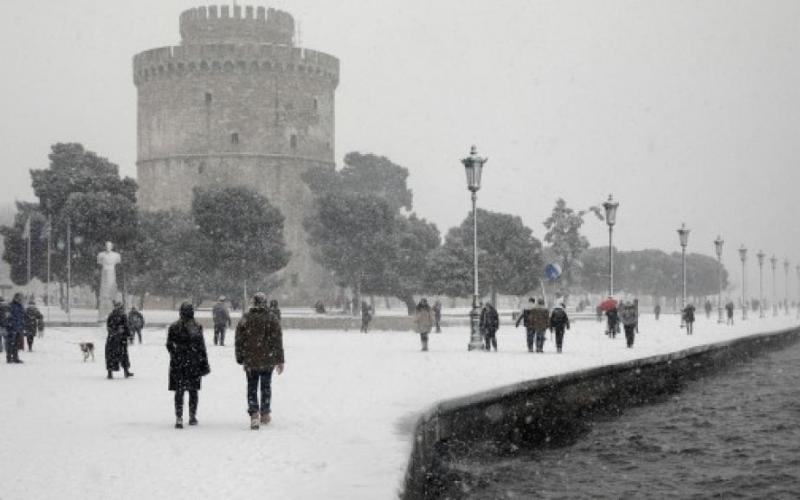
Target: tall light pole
(786, 285)
(718, 247)
(760, 255)
(683, 234)
(473, 166)
(610, 207)
(797, 269)
(774, 261)
(743, 256)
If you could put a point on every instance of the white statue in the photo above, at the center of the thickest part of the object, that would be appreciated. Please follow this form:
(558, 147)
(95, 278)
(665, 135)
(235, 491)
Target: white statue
(108, 260)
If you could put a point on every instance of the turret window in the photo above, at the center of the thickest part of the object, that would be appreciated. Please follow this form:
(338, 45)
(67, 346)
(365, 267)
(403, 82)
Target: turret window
(293, 142)
(235, 138)
(208, 98)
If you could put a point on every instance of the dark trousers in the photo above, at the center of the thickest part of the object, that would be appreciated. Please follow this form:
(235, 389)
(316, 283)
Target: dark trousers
(29, 337)
(559, 338)
(491, 339)
(256, 378)
(689, 327)
(629, 334)
(423, 338)
(12, 347)
(529, 338)
(436, 320)
(193, 400)
(612, 329)
(540, 337)
(219, 334)
(135, 332)
(364, 325)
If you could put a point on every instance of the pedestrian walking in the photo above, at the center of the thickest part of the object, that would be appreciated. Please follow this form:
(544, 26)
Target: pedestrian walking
(117, 341)
(708, 307)
(188, 362)
(135, 323)
(34, 323)
(729, 312)
(423, 322)
(275, 308)
(222, 320)
(259, 349)
(5, 316)
(559, 321)
(489, 324)
(657, 311)
(688, 318)
(630, 319)
(539, 321)
(612, 316)
(437, 316)
(525, 318)
(15, 328)
(366, 316)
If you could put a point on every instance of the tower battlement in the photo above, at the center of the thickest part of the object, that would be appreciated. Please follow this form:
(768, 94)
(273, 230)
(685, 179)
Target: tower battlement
(236, 24)
(169, 62)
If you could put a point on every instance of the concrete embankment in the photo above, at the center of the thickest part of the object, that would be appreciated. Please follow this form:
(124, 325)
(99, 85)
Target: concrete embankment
(556, 409)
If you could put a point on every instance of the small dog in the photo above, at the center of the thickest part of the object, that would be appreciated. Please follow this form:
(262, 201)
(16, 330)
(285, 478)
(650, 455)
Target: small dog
(87, 348)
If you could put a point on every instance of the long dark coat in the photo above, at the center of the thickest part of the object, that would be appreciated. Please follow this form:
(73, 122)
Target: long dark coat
(34, 321)
(188, 359)
(117, 340)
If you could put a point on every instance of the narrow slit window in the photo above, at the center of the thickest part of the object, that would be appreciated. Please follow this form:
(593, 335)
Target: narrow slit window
(208, 97)
(235, 138)
(293, 141)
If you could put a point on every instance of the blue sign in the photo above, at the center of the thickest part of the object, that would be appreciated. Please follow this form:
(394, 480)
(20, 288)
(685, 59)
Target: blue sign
(552, 271)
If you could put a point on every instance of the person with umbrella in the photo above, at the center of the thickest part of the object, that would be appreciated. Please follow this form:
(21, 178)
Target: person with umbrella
(609, 306)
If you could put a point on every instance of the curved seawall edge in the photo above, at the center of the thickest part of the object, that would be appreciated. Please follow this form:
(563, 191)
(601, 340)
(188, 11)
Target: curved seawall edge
(551, 409)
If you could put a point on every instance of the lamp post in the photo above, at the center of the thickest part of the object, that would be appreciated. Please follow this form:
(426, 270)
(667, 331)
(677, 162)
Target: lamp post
(797, 269)
(760, 255)
(77, 240)
(718, 247)
(743, 256)
(683, 234)
(786, 285)
(774, 261)
(473, 166)
(610, 207)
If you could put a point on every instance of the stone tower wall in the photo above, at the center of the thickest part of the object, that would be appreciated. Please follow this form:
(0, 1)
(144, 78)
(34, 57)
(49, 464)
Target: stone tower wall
(253, 112)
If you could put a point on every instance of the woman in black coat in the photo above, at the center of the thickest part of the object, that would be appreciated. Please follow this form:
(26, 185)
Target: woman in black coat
(188, 362)
(117, 341)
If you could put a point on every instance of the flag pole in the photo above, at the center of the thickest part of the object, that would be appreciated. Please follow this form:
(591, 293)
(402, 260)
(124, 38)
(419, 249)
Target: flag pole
(49, 240)
(28, 241)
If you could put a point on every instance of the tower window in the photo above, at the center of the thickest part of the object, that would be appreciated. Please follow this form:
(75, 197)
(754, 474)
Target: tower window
(208, 97)
(235, 138)
(293, 142)
(316, 104)
(295, 279)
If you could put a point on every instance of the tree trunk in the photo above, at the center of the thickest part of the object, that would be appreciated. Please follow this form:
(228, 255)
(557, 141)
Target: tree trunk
(408, 300)
(357, 301)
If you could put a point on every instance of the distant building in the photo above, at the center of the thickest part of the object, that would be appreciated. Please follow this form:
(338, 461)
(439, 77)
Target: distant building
(237, 104)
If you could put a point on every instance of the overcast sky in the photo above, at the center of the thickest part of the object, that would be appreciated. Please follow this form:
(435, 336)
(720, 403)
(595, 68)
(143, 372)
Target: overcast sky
(685, 110)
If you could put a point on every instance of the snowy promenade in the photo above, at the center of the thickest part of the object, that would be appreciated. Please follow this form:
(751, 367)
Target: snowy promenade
(343, 410)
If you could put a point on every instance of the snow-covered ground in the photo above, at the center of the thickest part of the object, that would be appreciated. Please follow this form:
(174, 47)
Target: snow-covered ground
(343, 410)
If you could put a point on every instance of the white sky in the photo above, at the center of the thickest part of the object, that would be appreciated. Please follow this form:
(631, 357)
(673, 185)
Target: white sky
(685, 110)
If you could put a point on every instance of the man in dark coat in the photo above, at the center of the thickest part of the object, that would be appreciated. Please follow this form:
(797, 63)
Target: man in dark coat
(259, 348)
(366, 316)
(708, 307)
(539, 321)
(612, 316)
(729, 312)
(688, 318)
(559, 321)
(437, 316)
(489, 324)
(222, 320)
(188, 362)
(524, 317)
(117, 341)
(657, 311)
(5, 316)
(15, 328)
(34, 323)
(135, 323)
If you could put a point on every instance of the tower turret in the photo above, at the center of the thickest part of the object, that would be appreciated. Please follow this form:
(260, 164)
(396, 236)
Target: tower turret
(223, 24)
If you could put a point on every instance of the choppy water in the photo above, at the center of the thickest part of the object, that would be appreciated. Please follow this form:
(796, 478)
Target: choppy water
(733, 435)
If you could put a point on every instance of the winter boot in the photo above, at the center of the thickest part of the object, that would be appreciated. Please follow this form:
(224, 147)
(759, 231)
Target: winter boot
(192, 420)
(128, 374)
(110, 375)
(265, 418)
(179, 422)
(254, 421)
(424, 345)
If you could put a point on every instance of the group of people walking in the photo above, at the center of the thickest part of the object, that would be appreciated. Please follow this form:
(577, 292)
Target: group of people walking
(21, 324)
(258, 348)
(538, 319)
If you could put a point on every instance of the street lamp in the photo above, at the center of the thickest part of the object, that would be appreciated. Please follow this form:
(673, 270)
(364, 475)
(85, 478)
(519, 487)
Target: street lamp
(473, 166)
(786, 285)
(760, 256)
(774, 261)
(683, 234)
(743, 256)
(797, 269)
(70, 240)
(610, 207)
(718, 246)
